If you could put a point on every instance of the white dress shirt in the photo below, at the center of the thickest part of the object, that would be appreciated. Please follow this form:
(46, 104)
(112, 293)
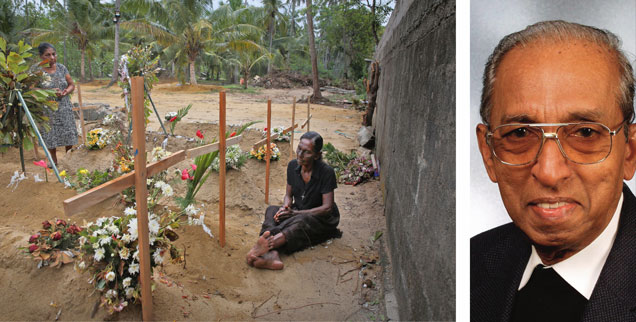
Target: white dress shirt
(582, 269)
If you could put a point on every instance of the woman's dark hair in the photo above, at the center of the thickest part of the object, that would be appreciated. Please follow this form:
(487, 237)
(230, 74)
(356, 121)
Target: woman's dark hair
(316, 139)
(43, 47)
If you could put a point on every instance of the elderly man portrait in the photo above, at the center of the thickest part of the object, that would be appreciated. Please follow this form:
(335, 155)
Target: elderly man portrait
(557, 138)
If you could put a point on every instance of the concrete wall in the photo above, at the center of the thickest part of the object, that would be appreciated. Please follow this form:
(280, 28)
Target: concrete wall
(415, 133)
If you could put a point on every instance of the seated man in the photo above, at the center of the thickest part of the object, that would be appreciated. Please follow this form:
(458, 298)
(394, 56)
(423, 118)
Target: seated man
(309, 214)
(557, 138)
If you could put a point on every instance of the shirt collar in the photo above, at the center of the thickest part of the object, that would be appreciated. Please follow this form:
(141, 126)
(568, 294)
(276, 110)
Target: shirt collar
(582, 270)
(314, 173)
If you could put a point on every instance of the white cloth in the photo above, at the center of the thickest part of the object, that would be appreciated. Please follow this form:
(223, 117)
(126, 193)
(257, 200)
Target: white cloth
(582, 269)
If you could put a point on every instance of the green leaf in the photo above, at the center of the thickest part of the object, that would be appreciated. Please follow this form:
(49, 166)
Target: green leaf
(14, 58)
(21, 77)
(3, 44)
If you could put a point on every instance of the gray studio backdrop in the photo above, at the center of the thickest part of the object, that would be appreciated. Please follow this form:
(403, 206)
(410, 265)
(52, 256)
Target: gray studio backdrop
(489, 22)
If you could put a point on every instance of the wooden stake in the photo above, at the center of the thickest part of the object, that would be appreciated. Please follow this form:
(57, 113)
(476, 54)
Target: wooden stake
(222, 168)
(141, 194)
(81, 112)
(291, 140)
(308, 113)
(269, 151)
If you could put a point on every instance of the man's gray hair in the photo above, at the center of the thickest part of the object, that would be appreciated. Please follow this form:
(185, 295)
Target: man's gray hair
(559, 30)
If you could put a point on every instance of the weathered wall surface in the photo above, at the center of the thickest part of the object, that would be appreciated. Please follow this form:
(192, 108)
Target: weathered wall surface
(415, 132)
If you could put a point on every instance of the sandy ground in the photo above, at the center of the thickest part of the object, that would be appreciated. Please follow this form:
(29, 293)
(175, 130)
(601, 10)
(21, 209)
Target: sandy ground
(321, 283)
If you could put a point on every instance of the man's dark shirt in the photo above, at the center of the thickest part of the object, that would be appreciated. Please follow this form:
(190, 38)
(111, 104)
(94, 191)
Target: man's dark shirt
(309, 195)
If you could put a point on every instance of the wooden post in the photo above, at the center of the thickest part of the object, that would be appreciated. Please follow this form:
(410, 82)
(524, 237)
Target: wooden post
(141, 193)
(291, 140)
(222, 168)
(81, 112)
(269, 151)
(308, 112)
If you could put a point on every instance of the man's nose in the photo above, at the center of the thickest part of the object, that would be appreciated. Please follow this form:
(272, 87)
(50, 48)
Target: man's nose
(551, 167)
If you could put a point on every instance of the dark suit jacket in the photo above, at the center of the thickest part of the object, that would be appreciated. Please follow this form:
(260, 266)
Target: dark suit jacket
(499, 256)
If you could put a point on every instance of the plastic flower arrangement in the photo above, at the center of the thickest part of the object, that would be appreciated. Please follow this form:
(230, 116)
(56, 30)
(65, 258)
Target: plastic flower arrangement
(110, 254)
(97, 139)
(261, 153)
(109, 119)
(357, 171)
(124, 161)
(158, 153)
(174, 117)
(54, 243)
(235, 158)
(278, 130)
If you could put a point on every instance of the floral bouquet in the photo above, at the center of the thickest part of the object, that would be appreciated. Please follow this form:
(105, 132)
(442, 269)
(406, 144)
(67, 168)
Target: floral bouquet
(357, 171)
(97, 139)
(124, 161)
(110, 253)
(174, 117)
(54, 243)
(279, 130)
(261, 153)
(234, 158)
(85, 179)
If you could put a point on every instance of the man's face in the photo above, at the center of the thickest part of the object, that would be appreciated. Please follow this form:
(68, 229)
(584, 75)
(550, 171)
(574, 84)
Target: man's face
(559, 204)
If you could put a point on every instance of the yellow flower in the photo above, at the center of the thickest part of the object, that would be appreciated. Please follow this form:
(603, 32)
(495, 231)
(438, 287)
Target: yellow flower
(83, 171)
(63, 173)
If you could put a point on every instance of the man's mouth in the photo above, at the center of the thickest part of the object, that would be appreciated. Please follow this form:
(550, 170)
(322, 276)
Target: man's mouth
(554, 205)
(553, 209)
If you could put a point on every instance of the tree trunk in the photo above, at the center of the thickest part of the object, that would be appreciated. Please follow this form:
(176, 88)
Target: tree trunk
(193, 74)
(372, 93)
(312, 51)
(82, 73)
(293, 15)
(90, 67)
(271, 38)
(115, 75)
(374, 26)
(246, 76)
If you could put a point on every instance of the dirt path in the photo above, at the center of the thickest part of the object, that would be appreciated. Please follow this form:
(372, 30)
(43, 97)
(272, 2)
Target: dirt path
(322, 283)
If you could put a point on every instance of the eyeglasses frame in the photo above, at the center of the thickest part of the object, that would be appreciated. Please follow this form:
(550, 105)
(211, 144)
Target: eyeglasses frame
(551, 135)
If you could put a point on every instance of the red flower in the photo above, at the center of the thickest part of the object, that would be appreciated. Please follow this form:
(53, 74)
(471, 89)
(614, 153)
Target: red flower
(233, 134)
(33, 248)
(61, 222)
(57, 236)
(40, 163)
(199, 134)
(173, 119)
(46, 224)
(73, 229)
(33, 238)
(265, 129)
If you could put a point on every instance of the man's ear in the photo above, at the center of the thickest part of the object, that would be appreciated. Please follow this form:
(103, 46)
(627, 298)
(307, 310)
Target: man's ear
(629, 163)
(486, 154)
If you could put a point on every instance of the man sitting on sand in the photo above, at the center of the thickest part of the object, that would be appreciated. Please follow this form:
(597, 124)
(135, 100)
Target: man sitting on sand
(309, 214)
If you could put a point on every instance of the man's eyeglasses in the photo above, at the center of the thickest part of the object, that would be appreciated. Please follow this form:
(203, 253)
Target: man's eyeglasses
(521, 144)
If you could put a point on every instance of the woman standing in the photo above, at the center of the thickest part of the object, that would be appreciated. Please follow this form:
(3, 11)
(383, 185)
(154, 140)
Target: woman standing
(309, 215)
(63, 130)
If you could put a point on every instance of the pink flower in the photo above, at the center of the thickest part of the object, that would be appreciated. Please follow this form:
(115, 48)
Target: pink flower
(57, 236)
(46, 224)
(185, 175)
(33, 238)
(40, 163)
(194, 167)
(173, 119)
(33, 248)
(61, 222)
(199, 134)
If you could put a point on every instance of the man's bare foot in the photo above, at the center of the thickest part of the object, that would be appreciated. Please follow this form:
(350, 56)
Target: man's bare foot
(270, 260)
(260, 248)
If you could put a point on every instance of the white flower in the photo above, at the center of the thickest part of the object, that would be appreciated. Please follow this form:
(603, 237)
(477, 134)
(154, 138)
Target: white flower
(132, 229)
(129, 292)
(159, 184)
(126, 281)
(167, 190)
(152, 239)
(112, 229)
(130, 211)
(105, 241)
(82, 240)
(126, 238)
(111, 294)
(99, 254)
(153, 225)
(133, 268)
(124, 253)
(82, 265)
(136, 254)
(95, 245)
(157, 256)
(148, 182)
(110, 276)
(191, 210)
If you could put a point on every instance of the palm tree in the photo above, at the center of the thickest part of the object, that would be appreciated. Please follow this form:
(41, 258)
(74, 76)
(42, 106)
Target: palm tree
(272, 16)
(312, 51)
(113, 78)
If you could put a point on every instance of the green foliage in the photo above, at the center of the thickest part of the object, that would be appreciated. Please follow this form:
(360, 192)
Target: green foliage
(16, 75)
(337, 159)
(85, 180)
(174, 119)
(138, 61)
